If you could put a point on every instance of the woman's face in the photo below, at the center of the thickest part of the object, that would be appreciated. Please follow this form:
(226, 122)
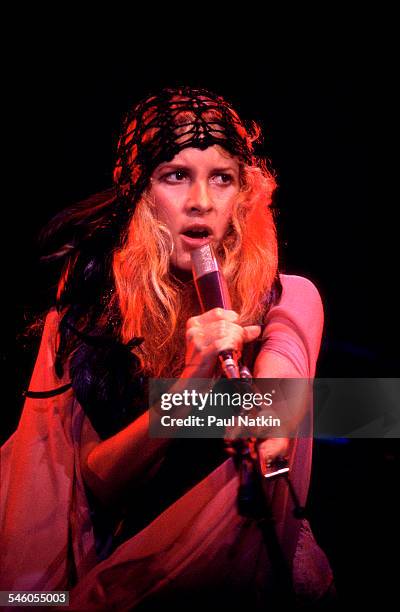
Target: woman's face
(194, 194)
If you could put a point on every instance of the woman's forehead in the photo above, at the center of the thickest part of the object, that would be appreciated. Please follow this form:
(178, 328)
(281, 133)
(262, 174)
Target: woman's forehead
(212, 156)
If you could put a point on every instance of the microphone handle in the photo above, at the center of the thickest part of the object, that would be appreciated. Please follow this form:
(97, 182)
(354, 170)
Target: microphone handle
(229, 364)
(212, 293)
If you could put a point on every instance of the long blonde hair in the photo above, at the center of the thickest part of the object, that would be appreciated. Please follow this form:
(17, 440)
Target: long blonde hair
(155, 305)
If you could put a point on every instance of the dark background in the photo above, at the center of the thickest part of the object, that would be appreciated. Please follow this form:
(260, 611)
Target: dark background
(322, 120)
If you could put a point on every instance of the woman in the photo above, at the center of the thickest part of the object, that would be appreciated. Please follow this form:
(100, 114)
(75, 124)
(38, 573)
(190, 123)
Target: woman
(130, 520)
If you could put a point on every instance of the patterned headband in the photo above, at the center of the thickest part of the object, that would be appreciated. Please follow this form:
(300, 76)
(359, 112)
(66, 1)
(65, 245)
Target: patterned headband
(160, 126)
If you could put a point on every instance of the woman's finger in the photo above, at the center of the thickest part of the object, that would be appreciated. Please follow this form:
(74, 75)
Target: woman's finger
(251, 332)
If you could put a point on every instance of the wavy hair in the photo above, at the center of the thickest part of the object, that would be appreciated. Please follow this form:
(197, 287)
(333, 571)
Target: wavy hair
(117, 281)
(154, 304)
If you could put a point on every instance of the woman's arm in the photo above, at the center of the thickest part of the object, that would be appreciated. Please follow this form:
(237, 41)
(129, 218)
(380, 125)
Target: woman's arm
(292, 336)
(127, 458)
(109, 466)
(292, 339)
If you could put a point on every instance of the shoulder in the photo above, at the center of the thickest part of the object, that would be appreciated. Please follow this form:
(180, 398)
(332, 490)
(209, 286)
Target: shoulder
(299, 286)
(52, 321)
(50, 334)
(293, 326)
(300, 298)
(44, 376)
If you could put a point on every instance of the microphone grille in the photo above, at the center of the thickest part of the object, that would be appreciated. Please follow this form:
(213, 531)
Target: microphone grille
(203, 261)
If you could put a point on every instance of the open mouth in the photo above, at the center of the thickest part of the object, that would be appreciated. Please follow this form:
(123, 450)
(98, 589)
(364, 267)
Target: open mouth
(196, 233)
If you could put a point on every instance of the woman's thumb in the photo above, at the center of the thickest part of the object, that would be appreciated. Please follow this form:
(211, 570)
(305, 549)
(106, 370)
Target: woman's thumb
(251, 332)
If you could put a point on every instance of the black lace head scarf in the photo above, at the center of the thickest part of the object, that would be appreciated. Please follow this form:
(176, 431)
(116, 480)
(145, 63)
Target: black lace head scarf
(162, 125)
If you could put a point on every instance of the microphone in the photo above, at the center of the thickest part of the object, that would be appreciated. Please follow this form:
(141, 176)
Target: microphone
(213, 292)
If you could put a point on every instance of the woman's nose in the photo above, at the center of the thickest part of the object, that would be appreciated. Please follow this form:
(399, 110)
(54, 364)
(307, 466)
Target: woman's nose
(199, 197)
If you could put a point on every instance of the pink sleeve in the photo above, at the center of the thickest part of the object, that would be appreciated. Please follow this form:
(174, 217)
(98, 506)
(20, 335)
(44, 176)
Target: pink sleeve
(44, 514)
(294, 326)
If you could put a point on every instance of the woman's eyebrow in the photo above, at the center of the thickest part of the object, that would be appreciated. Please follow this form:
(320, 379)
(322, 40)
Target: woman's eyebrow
(172, 166)
(175, 166)
(225, 169)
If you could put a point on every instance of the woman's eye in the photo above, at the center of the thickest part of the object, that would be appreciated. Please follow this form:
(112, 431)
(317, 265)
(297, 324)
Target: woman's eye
(180, 176)
(175, 177)
(223, 179)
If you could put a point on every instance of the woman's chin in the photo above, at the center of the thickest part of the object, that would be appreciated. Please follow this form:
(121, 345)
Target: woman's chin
(182, 272)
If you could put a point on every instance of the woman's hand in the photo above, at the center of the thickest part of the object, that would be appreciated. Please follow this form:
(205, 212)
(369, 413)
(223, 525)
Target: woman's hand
(206, 336)
(210, 333)
(270, 449)
(265, 450)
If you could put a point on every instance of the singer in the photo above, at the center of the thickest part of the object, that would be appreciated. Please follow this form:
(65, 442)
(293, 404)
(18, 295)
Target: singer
(91, 504)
